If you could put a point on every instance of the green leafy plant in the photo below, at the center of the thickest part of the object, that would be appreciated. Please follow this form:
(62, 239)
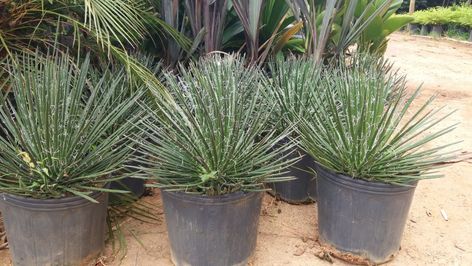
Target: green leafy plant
(374, 39)
(440, 16)
(260, 29)
(332, 27)
(217, 138)
(36, 22)
(421, 17)
(463, 16)
(268, 27)
(457, 33)
(318, 19)
(278, 27)
(106, 30)
(294, 83)
(361, 128)
(63, 130)
(456, 15)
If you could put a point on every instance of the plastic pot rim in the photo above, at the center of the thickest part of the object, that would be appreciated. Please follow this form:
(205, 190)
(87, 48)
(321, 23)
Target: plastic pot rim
(51, 204)
(372, 187)
(211, 200)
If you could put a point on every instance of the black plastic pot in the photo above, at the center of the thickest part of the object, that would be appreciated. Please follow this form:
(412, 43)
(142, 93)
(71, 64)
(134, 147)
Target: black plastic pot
(212, 231)
(134, 185)
(303, 188)
(360, 217)
(424, 30)
(437, 30)
(67, 231)
(413, 28)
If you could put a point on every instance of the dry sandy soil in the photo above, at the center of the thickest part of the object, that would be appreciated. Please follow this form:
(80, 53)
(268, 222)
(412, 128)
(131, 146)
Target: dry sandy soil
(288, 233)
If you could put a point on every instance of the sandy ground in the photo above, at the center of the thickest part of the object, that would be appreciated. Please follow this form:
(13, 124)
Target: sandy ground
(288, 233)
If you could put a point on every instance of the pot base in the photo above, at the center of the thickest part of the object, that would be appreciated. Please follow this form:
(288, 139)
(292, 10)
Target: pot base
(360, 217)
(302, 190)
(212, 231)
(67, 231)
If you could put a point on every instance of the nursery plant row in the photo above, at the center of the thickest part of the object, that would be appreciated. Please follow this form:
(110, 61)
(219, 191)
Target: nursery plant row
(346, 134)
(214, 103)
(438, 18)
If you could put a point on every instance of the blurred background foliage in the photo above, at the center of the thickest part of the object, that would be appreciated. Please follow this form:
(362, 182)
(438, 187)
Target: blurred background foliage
(425, 4)
(175, 31)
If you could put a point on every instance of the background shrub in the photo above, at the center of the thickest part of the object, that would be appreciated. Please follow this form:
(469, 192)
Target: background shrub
(454, 15)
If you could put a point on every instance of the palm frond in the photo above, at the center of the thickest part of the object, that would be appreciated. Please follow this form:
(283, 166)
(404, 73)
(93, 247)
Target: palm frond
(120, 20)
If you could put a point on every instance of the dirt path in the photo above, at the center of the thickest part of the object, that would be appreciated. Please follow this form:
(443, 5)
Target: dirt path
(445, 69)
(287, 233)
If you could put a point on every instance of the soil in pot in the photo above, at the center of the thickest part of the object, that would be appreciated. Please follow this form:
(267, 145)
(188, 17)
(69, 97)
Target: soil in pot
(303, 188)
(66, 231)
(212, 231)
(360, 217)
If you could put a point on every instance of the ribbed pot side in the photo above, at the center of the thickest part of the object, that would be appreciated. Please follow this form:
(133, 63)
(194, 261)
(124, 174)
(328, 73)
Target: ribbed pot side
(212, 231)
(303, 188)
(360, 217)
(65, 231)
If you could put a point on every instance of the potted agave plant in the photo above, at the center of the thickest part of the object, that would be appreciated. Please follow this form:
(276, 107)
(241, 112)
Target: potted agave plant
(372, 146)
(58, 154)
(293, 83)
(211, 151)
(132, 181)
